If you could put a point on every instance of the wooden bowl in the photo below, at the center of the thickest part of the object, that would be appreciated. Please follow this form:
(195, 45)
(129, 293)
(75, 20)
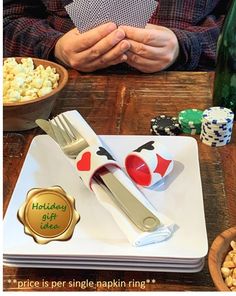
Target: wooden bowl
(219, 249)
(21, 116)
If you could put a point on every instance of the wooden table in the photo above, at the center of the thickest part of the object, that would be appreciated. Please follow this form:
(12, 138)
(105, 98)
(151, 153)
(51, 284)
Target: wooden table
(123, 104)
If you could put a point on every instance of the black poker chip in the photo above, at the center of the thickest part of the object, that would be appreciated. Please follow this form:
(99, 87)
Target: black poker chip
(165, 126)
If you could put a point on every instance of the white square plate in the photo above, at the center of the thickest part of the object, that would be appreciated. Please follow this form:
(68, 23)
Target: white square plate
(96, 235)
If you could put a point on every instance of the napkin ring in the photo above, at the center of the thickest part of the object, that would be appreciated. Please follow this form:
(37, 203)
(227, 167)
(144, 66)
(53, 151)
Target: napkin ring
(90, 160)
(149, 163)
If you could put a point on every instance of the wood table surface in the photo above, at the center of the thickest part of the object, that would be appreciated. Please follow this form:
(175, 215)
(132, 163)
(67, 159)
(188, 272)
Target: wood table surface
(123, 104)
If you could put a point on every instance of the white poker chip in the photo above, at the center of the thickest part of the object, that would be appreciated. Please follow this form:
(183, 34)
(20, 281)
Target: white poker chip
(215, 144)
(216, 132)
(217, 126)
(213, 128)
(218, 115)
(208, 121)
(214, 139)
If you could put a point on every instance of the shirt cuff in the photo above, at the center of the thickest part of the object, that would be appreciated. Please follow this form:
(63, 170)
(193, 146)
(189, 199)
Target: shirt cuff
(190, 50)
(45, 49)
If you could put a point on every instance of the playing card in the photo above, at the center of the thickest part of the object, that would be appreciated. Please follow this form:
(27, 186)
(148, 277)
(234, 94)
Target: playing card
(135, 13)
(79, 12)
(100, 12)
(88, 14)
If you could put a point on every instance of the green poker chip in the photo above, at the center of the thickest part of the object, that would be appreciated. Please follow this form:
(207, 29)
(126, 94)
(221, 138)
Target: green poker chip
(191, 131)
(191, 118)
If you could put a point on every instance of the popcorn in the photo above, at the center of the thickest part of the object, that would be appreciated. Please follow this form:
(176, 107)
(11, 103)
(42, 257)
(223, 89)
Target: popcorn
(44, 91)
(228, 269)
(23, 82)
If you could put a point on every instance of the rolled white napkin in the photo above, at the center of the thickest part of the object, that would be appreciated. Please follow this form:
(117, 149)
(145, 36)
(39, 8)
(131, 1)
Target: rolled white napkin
(135, 236)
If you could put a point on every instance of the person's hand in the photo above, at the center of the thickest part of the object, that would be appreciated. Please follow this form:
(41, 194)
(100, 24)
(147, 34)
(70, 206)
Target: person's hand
(96, 49)
(152, 49)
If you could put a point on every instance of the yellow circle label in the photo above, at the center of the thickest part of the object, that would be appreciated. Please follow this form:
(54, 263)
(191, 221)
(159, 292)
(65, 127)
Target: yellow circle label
(48, 214)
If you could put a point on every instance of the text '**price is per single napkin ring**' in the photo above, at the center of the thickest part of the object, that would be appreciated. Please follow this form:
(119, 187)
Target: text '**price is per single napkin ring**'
(48, 214)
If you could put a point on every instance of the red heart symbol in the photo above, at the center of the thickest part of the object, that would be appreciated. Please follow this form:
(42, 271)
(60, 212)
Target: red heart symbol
(84, 163)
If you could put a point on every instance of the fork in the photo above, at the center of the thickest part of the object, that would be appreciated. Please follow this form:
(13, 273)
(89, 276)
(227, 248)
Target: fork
(72, 143)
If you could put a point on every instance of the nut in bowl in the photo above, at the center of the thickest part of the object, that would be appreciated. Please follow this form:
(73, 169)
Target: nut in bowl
(222, 260)
(31, 94)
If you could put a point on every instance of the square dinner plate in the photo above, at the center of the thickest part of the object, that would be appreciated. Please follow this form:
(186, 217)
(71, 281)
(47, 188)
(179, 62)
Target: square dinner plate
(97, 235)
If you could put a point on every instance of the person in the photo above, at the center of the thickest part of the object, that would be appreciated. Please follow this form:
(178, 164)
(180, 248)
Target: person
(180, 35)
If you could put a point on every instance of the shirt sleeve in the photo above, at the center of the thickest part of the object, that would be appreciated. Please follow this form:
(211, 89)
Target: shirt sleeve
(198, 45)
(29, 29)
(196, 28)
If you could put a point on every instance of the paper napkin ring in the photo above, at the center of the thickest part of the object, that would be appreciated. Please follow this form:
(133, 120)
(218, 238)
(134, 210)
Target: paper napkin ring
(48, 214)
(149, 163)
(92, 159)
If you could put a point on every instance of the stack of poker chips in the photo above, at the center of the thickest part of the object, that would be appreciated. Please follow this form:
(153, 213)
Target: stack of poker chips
(190, 121)
(217, 124)
(164, 125)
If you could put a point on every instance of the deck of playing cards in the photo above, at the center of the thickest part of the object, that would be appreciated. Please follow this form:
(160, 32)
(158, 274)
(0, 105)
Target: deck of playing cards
(88, 14)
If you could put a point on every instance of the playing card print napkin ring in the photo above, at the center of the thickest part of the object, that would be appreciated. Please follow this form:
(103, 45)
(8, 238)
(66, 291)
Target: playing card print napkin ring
(149, 163)
(90, 160)
(146, 165)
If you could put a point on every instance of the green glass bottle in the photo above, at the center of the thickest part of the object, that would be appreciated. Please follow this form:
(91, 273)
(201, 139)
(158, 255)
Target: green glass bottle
(224, 93)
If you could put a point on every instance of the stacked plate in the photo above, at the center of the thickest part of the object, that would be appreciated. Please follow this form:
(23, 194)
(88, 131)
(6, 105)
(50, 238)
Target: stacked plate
(97, 241)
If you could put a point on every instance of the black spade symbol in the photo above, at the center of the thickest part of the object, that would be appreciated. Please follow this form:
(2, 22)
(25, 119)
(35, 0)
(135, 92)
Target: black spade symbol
(147, 146)
(103, 151)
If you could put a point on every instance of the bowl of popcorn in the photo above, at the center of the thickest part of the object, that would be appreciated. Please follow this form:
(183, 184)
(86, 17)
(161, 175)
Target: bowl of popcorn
(222, 260)
(30, 89)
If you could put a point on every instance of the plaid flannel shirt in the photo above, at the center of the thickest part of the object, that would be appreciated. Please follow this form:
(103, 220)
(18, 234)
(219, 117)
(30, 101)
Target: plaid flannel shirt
(32, 28)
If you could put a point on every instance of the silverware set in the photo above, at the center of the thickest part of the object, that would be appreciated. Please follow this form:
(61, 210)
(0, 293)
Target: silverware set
(72, 143)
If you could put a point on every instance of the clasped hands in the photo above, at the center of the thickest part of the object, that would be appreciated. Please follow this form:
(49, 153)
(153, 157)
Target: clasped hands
(149, 50)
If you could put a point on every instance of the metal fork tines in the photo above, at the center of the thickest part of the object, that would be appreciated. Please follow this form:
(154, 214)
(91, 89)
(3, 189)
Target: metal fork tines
(72, 143)
(69, 139)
